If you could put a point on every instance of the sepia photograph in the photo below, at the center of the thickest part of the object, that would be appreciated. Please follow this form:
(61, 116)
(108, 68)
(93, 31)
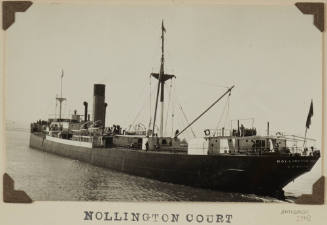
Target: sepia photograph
(163, 102)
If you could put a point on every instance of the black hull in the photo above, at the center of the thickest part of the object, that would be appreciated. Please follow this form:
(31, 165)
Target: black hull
(233, 173)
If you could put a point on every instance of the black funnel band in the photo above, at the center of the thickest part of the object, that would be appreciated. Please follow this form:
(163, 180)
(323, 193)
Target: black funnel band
(99, 89)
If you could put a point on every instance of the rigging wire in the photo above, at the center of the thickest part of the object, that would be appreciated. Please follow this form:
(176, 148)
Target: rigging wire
(144, 103)
(66, 110)
(150, 97)
(181, 124)
(221, 116)
(183, 113)
(138, 114)
(185, 117)
(172, 115)
(224, 113)
(228, 109)
(55, 115)
(168, 105)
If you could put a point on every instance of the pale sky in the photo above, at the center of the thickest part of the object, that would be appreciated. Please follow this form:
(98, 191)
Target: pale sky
(272, 54)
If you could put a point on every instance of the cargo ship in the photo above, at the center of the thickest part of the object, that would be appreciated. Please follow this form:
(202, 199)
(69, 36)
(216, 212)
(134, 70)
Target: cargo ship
(231, 160)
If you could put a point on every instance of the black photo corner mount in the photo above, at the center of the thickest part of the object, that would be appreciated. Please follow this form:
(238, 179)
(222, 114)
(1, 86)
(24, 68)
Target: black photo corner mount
(317, 9)
(10, 195)
(9, 8)
(318, 194)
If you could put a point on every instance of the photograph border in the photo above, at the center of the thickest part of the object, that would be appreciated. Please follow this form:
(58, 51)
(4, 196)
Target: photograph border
(316, 9)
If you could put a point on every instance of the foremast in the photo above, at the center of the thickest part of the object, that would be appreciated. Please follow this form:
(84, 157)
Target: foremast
(60, 99)
(161, 77)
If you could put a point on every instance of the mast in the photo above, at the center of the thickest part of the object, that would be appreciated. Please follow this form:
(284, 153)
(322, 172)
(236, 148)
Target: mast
(162, 77)
(60, 99)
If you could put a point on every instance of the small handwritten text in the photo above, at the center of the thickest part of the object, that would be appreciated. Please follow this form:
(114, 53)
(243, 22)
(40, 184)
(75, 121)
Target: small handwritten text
(300, 215)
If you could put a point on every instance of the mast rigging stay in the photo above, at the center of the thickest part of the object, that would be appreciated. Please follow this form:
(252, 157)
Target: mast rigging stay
(214, 103)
